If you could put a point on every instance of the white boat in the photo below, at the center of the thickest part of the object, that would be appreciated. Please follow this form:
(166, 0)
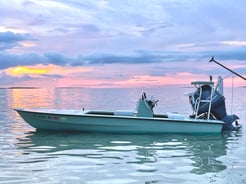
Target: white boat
(209, 116)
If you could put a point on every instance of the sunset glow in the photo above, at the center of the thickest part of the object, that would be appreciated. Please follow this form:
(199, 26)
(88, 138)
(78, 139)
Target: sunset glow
(21, 70)
(28, 44)
(46, 69)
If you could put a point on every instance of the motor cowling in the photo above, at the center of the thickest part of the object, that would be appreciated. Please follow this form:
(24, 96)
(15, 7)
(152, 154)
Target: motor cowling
(218, 107)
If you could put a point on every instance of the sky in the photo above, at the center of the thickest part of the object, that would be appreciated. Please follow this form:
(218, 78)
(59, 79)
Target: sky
(114, 43)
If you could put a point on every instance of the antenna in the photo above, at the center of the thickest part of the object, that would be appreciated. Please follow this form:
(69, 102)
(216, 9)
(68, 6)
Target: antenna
(213, 60)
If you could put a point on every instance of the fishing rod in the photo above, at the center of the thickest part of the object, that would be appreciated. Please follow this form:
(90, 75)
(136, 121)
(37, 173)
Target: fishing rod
(213, 60)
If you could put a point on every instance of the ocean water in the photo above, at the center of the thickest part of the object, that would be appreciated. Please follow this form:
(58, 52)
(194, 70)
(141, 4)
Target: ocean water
(30, 156)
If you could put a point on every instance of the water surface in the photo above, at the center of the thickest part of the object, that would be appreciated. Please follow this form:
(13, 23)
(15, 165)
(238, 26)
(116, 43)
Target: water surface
(30, 156)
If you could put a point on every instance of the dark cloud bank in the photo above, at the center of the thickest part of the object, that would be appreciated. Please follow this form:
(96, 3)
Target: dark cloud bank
(9, 40)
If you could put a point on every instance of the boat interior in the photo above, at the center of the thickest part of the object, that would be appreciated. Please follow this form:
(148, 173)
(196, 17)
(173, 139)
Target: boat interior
(121, 113)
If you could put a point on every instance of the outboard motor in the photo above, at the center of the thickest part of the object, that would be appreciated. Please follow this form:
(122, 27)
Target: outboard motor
(201, 100)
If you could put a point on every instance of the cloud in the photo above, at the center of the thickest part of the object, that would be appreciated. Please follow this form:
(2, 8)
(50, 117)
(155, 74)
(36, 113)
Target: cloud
(10, 40)
(11, 60)
(78, 27)
(227, 54)
(138, 57)
(5, 46)
(57, 58)
(13, 37)
(30, 59)
(144, 29)
(10, 80)
(55, 76)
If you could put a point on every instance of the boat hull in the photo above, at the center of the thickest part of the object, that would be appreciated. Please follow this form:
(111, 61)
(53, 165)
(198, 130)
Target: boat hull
(80, 121)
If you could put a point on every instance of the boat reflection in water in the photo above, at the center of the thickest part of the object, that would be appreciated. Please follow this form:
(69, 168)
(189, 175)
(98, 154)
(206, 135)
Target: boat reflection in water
(132, 156)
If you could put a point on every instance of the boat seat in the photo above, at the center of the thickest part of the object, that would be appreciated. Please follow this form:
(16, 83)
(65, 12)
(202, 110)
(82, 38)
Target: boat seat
(100, 113)
(124, 113)
(160, 116)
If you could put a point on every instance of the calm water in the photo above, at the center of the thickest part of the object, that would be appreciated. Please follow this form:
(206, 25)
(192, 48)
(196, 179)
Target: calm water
(28, 156)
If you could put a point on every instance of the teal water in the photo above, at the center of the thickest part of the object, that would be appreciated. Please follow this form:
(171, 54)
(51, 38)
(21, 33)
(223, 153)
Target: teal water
(30, 156)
